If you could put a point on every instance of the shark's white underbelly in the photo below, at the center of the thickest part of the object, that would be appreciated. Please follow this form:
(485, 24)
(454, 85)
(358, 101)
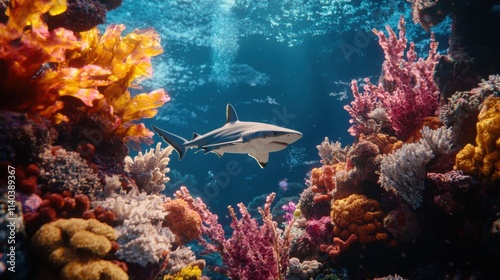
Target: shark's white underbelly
(252, 147)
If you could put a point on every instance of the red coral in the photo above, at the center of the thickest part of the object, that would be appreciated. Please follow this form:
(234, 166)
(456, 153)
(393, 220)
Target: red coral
(323, 181)
(26, 178)
(102, 215)
(55, 206)
(338, 246)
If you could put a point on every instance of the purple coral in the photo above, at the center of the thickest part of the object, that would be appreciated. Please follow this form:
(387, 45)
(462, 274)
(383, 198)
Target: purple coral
(289, 210)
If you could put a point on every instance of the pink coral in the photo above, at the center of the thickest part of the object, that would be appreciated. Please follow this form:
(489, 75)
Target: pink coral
(408, 93)
(254, 251)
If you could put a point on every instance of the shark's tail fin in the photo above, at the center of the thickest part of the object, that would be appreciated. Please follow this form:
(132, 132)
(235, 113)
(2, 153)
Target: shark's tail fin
(174, 140)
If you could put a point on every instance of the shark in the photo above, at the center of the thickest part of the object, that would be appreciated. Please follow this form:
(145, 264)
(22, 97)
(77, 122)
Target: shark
(238, 137)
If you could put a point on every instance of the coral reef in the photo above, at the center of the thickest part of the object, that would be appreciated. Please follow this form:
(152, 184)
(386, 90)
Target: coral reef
(404, 170)
(484, 159)
(55, 206)
(473, 41)
(141, 236)
(407, 92)
(332, 153)
(311, 209)
(188, 272)
(402, 224)
(149, 170)
(65, 170)
(184, 222)
(360, 216)
(253, 251)
(322, 181)
(303, 270)
(78, 246)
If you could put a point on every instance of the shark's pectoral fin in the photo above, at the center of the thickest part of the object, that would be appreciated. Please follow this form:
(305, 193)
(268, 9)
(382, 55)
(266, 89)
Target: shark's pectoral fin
(261, 158)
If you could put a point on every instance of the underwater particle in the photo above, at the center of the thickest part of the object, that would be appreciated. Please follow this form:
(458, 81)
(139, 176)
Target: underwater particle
(295, 157)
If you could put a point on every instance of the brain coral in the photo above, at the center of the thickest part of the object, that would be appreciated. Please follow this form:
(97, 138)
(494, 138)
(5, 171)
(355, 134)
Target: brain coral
(356, 214)
(484, 158)
(78, 246)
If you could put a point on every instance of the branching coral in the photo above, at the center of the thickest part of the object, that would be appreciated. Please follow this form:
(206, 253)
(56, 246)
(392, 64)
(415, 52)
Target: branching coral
(254, 251)
(407, 94)
(360, 216)
(404, 170)
(66, 170)
(149, 170)
(332, 153)
(484, 158)
(78, 245)
(141, 236)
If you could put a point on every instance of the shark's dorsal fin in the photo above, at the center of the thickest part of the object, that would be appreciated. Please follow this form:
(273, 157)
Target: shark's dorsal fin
(231, 115)
(195, 135)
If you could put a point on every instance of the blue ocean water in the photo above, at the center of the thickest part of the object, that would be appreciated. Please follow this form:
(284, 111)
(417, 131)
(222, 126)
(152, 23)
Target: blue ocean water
(288, 63)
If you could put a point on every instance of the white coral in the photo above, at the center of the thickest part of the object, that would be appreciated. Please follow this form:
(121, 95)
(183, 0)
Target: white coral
(403, 171)
(439, 140)
(332, 152)
(141, 236)
(148, 170)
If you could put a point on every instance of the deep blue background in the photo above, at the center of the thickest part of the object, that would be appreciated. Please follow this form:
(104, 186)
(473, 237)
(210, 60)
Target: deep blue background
(304, 76)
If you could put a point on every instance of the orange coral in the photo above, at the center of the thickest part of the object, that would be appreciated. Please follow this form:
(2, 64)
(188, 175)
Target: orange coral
(432, 122)
(385, 143)
(323, 181)
(184, 222)
(484, 159)
(358, 215)
(32, 77)
(129, 61)
(41, 67)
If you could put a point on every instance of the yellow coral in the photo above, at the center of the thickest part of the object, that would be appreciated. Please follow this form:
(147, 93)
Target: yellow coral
(78, 245)
(484, 158)
(93, 270)
(356, 214)
(187, 273)
(41, 66)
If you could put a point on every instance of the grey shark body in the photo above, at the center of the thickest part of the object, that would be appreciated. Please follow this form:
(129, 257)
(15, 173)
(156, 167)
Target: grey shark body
(252, 138)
